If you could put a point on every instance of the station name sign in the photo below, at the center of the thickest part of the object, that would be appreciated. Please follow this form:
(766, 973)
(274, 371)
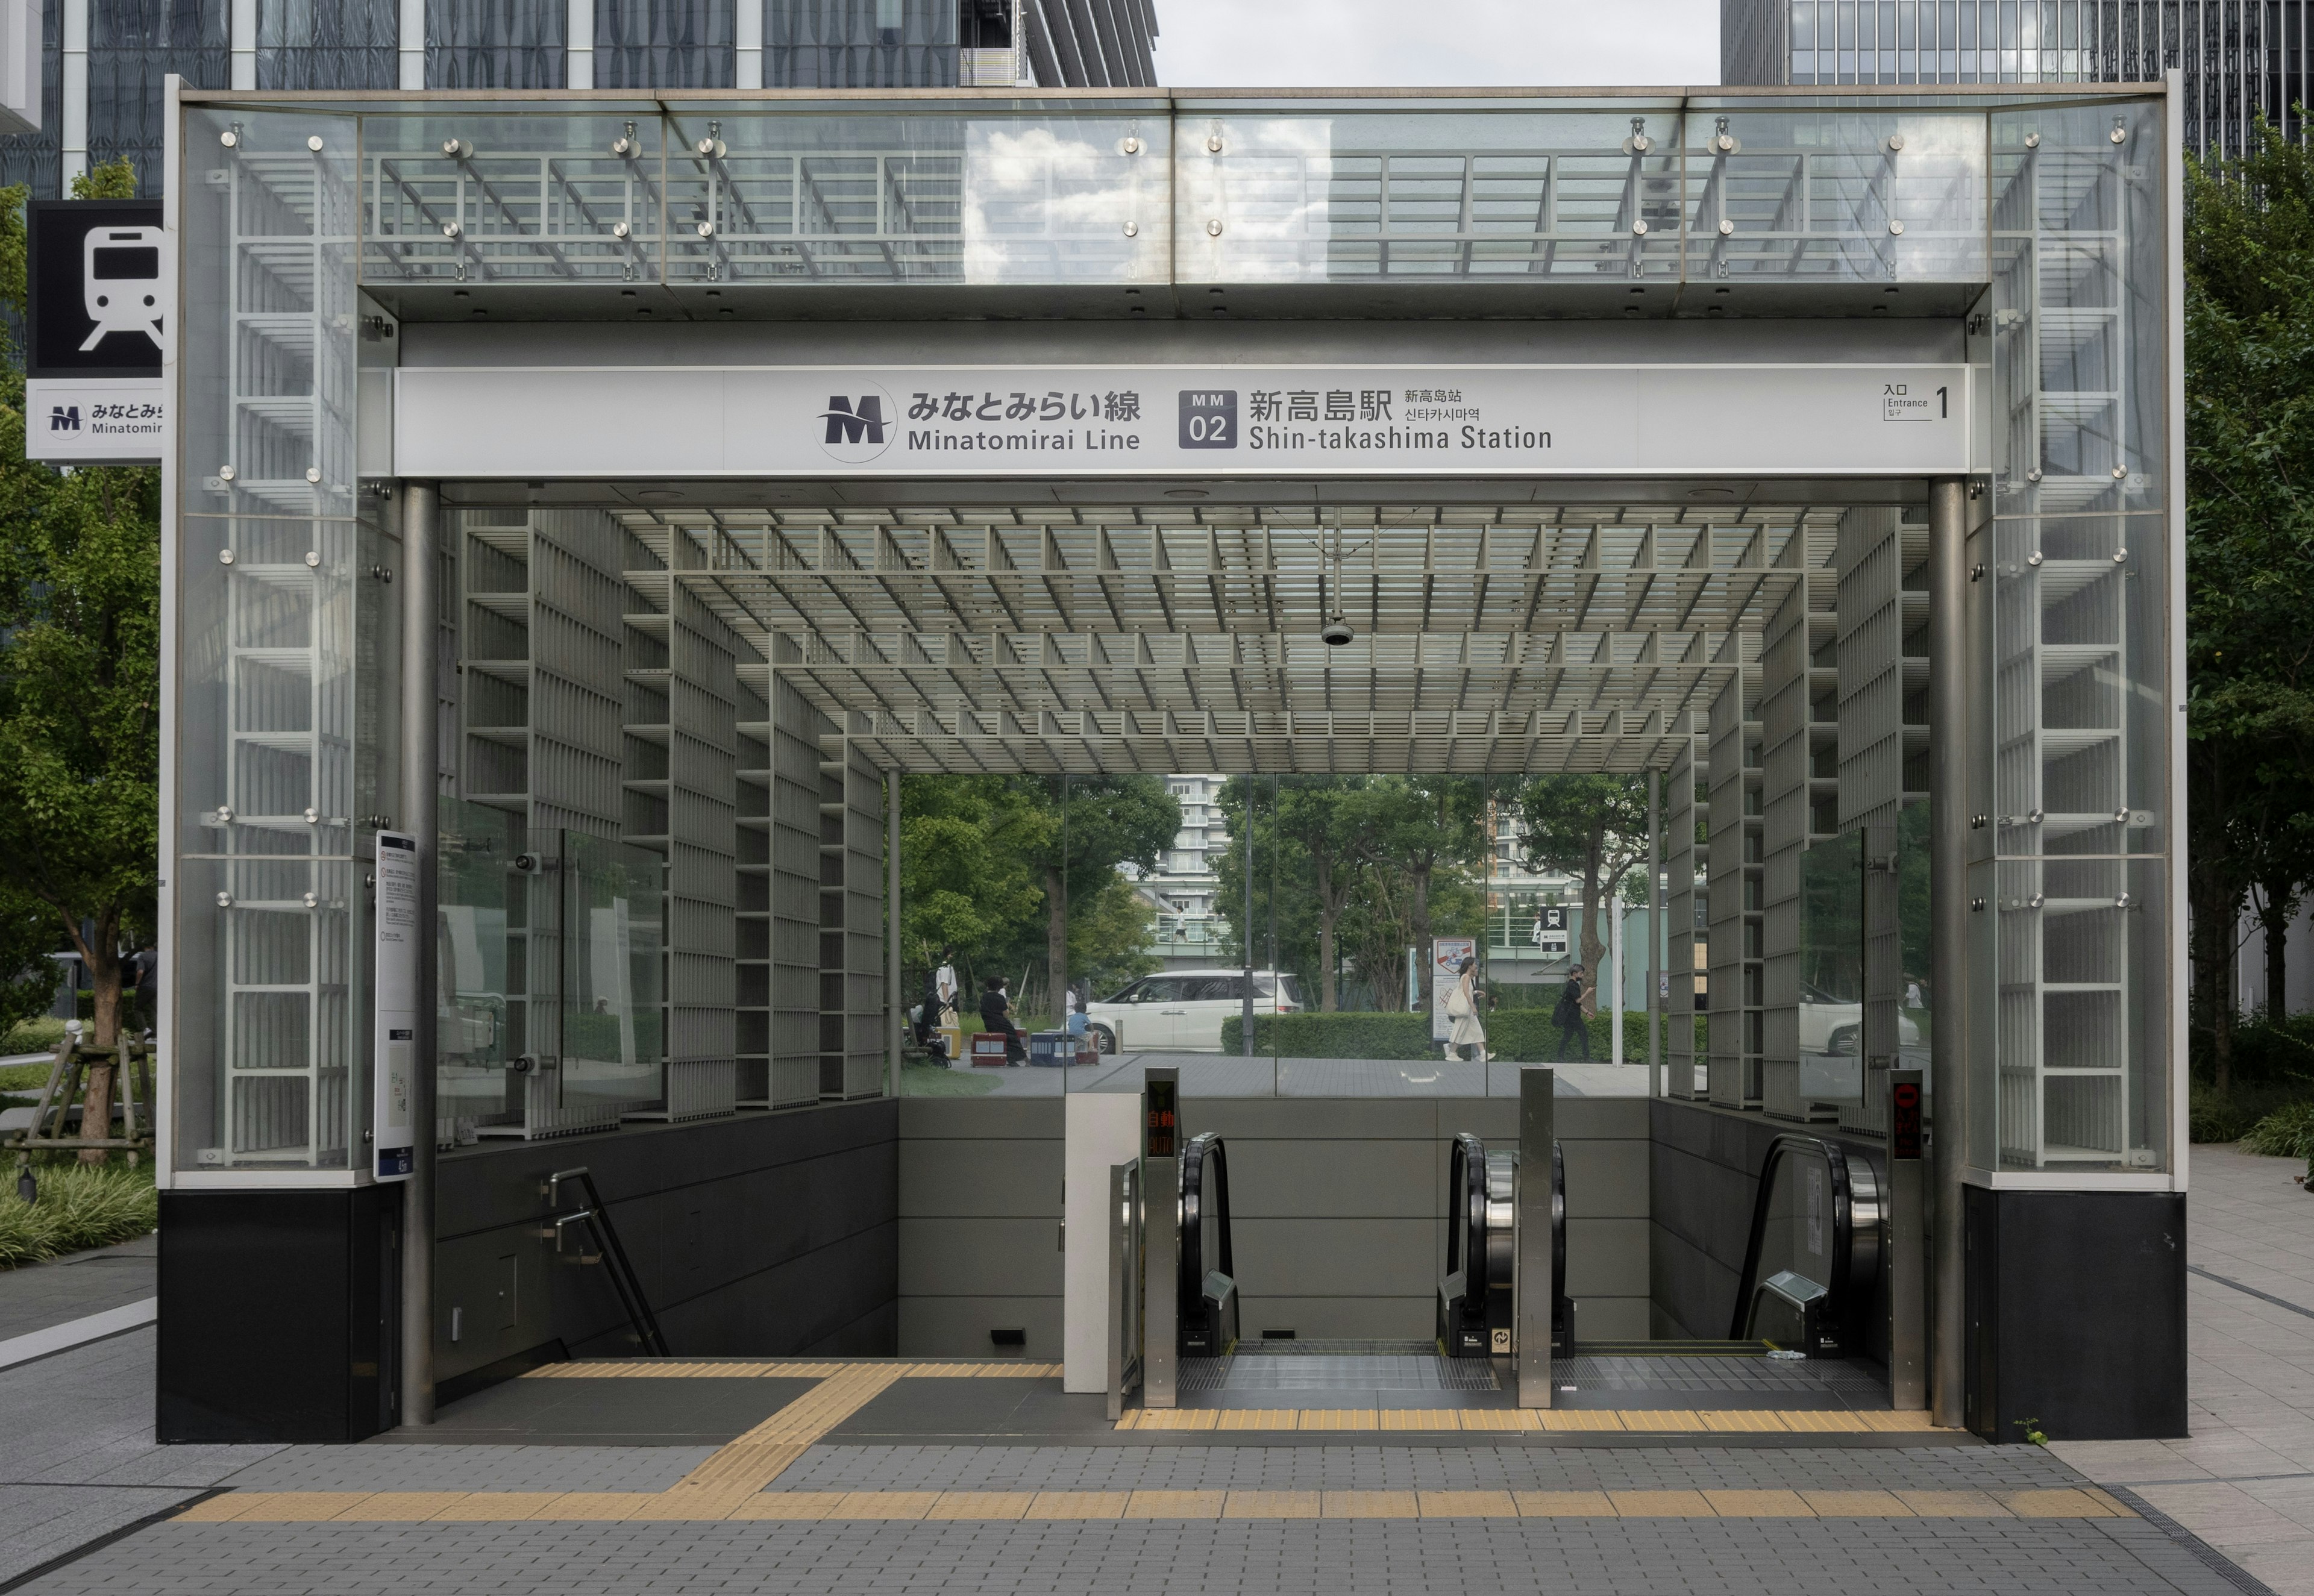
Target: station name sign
(999, 421)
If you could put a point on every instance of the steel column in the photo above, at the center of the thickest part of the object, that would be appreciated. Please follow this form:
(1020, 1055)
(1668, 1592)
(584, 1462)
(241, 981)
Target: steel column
(1538, 1132)
(420, 815)
(1656, 943)
(1948, 744)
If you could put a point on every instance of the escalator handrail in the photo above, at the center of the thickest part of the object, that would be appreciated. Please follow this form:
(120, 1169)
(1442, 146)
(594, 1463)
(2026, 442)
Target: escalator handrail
(1201, 1148)
(1844, 1268)
(1466, 1179)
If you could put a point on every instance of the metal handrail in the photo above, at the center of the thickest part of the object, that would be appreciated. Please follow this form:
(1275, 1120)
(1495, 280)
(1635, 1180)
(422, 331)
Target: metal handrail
(596, 1217)
(1856, 1214)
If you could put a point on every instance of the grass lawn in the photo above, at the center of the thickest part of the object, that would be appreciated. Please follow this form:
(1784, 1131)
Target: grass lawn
(938, 1080)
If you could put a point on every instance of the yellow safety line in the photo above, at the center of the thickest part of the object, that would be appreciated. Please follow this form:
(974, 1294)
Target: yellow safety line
(1641, 1421)
(716, 1505)
(782, 1368)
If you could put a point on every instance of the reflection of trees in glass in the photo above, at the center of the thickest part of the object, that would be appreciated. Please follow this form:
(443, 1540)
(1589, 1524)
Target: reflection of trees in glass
(1912, 908)
(1832, 921)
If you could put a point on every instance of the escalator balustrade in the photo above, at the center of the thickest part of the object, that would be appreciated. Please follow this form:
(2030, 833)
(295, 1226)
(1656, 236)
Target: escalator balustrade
(1208, 1307)
(1478, 1298)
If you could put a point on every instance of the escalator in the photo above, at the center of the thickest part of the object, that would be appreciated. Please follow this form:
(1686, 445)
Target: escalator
(1208, 1310)
(1813, 1261)
(1478, 1297)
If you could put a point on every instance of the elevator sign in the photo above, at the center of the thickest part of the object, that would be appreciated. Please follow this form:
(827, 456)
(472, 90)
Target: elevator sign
(1520, 420)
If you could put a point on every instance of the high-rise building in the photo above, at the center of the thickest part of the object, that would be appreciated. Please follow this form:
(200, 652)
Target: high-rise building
(103, 61)
(2239, 60)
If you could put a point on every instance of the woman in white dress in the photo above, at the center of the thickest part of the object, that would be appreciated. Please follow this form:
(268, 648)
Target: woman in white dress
(1464, 1029)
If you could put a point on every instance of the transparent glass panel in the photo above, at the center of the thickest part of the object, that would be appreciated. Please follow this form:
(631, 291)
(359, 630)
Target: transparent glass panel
(476, 1035)
(286, 650)
(1030, 198)
(2082, 753)
(511, 198)
(2079, 318)
(1824, 196)
(2081, 1018)
(614, 1045)
(1831, 1042)
(1487, 197)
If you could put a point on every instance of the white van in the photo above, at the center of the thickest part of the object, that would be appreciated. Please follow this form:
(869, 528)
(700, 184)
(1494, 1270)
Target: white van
(1182, 1011)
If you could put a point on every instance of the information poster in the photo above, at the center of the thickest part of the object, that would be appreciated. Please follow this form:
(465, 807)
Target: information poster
(399, 949)
(1447, 956)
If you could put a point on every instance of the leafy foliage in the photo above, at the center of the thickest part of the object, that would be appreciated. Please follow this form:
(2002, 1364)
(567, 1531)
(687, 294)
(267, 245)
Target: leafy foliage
(80, 1206)
(992, 866)
(2250, 550)
(1595, 829)
(2286, 1132)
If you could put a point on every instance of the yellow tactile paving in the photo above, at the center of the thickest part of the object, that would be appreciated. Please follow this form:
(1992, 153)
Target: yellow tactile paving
(1827, 1422)
(1369, 1504)
(1175, 1504)
(1757, 1504)
(1078, 1504)
(1494, 1418)
(610, 1507)
(1573, 1418)
(306, 1507)
(1952, 1504)
(1171, 1418)
(406, 1507)
(1271, 1504)
(1257, 1418)
(1339, 1418)
(1662, 1420)
(982, 1505)
(1418, 1418)
(882, 1504)
(1563, 1505)
(1660, 1505)
(785, 1504)
(221, 1509)
(498, 1507)
(1897, 1421)
(1856, 1504)
(1743, 1420)
(1467, 1505)
(758, 1458)
(782, 1369)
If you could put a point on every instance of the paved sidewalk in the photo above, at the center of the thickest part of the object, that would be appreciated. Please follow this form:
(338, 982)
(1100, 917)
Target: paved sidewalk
(40, 1295)
(2245, 1481)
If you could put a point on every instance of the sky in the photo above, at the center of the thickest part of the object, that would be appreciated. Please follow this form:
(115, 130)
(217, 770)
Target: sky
(1439, 43)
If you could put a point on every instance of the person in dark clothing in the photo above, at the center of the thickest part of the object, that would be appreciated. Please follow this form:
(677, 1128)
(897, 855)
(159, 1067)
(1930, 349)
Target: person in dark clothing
(996, 1015)
(1568, 1014)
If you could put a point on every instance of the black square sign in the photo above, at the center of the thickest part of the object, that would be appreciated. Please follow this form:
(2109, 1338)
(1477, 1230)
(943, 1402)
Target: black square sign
(99, 288)
(1554, 920)
(1209, 417)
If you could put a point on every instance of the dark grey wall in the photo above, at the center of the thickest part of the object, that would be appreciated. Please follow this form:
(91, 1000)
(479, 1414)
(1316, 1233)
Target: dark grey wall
(760, 1235)
(1338, 1210)
(1704, 1179)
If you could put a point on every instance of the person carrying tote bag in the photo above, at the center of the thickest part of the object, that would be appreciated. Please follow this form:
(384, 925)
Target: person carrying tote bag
(1464, 1029)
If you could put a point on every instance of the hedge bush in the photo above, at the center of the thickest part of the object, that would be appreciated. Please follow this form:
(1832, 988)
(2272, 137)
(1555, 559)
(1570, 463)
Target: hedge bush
(80, 1206)
(1514, 1035)
(2286, 1132)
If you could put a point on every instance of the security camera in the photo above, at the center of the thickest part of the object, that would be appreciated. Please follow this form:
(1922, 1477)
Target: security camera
(1336, 632)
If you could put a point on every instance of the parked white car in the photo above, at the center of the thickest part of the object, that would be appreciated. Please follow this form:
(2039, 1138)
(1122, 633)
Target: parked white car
(1835, 1029)
(1182, 1011)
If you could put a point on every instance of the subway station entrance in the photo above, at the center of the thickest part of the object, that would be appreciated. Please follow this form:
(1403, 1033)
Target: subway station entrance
(607, 503)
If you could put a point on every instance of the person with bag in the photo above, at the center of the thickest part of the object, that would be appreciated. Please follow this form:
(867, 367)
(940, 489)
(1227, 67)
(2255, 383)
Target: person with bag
(1465, 1030)
(1568, 1014)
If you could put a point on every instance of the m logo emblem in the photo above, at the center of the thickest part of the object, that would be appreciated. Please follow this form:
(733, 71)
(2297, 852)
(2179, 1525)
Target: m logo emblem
(858, 427)
(63, 418)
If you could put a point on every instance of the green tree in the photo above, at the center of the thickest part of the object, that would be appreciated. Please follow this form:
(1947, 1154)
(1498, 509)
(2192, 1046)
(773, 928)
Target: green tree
(1093, 825)
(1595, 828)
(80, 606)
(2250, 552)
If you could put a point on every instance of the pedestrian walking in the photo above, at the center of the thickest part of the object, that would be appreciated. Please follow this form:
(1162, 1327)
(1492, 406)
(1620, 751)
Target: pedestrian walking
(1464, 1028)
(1568, 1014)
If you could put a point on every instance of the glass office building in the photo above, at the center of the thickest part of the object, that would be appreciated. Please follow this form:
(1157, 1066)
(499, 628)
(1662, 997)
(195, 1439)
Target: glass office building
(103, 60)
(2239, 60)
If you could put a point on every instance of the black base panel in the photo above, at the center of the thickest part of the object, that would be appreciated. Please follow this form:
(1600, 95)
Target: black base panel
(624, 1411)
